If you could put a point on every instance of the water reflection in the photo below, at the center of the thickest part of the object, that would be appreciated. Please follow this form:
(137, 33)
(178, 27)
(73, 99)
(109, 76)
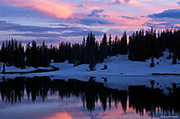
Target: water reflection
(63, 115)
(141, 99)
(90, 92)
(152, 100)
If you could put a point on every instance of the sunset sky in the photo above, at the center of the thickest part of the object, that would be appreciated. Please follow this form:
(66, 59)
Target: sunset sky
(70, 20)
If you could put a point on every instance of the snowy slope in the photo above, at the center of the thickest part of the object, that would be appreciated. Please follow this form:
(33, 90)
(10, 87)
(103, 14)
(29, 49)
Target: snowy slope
(120, 65)
(117, 66)
(120, 74)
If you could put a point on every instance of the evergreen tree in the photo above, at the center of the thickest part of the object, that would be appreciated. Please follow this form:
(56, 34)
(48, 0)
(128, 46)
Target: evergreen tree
(4, 69)
(152, 62)
(131, 47)
(28, 58)
(45, 60)
(3, 57)
(19, 56)
(116, 46)
(62, 53)
(123, 44)
(92, 65)
(90, 49)
(174, 60)
(110, 45)
(103, 48)
(83, 51)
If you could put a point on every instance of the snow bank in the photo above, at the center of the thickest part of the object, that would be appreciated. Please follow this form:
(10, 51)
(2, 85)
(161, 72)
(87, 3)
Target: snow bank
(120, 74)
(117, 66)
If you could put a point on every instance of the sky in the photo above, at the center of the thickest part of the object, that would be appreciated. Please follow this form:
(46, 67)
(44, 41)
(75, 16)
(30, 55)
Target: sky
(69, 20)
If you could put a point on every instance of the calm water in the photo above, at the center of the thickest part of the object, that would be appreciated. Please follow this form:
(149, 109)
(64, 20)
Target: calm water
(43, 98)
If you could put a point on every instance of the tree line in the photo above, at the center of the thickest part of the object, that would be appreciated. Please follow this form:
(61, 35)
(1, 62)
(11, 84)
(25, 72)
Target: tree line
(149, 44)
(88, 52)
(14, 53)
(142, 45)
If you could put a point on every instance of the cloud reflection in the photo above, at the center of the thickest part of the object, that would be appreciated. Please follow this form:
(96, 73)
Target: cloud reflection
(60, 115)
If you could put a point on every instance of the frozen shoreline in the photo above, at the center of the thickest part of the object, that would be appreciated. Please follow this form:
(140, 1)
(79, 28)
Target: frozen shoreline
(120, 72)
(117, 66)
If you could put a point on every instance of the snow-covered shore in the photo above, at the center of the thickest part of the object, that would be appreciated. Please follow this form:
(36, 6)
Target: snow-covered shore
(120, 73)
(117, 66)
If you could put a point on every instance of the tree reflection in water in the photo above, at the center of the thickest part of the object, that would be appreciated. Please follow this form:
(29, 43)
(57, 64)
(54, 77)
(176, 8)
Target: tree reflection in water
(140, 97)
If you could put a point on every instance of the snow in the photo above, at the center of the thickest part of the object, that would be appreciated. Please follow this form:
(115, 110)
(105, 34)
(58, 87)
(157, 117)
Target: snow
(45, 68)
(26, 69)
(62, 66)
(120, 65)
(120, 73)
(14, 69)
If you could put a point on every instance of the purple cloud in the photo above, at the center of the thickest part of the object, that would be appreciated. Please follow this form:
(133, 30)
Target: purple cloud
(126, 1)
(178, 3)
(128, 17)
(5, 26)
(171, 13)
(116, 2)
(26, 12)
(43, 33)
(90, 21)
(95, 12)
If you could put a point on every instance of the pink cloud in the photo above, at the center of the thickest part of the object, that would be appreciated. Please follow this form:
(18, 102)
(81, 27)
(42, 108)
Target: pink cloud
(53, 7)
(178, 25)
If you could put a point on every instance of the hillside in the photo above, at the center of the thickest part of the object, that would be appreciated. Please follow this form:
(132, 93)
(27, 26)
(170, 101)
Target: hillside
(120, 74)
(118, 65)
